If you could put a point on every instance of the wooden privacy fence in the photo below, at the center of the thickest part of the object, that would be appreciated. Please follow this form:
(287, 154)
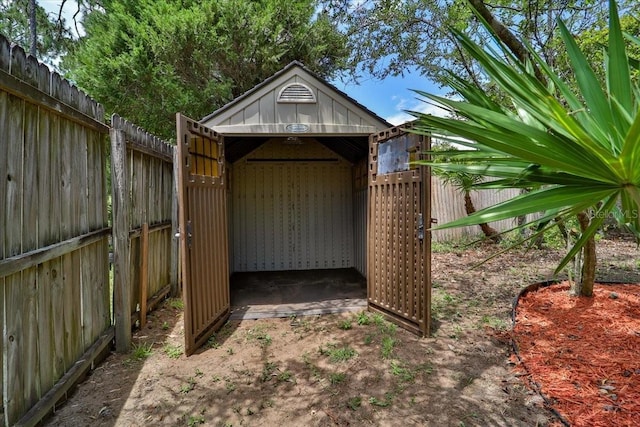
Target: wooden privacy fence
(54, 270)
(144, 215)
(447, 204)
(55, 296)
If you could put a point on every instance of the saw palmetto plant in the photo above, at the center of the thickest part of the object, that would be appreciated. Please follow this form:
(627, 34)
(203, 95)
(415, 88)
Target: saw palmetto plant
(576, 144)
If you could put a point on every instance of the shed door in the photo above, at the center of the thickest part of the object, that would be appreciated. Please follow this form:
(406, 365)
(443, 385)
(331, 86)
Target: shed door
(398, 245)
(202, 190)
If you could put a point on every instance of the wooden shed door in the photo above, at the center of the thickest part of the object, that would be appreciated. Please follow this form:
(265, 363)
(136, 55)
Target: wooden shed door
(398, 243)
(204, 254)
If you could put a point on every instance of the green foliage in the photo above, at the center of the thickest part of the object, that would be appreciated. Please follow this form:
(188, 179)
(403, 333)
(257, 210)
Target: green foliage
(259, 333)
(176, 303)
(462, 181)
(345, 324)
(267, 371)
(338, 354)
(444, 305)
(53, 36)
(388, 344)
(388, 397)
(141, 351)
(393, 37)
(577, 147)
(173, 351)
(337, 377)
(363, 318)
(195, 420)
(148, 59)
(189, 386)
(405, 374)
(286, 376)
(354, 402)
(213, 342)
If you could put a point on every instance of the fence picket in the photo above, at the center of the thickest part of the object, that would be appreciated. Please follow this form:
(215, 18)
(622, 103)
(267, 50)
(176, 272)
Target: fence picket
(52, 192)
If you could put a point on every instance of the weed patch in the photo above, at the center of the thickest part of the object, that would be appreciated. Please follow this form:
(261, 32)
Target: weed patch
(405, 374)
(388, 344)
(173, 351)
(345, 325)
(354, 403)
(337, 377)
(141, 351)
(338, 354)
(176, 303)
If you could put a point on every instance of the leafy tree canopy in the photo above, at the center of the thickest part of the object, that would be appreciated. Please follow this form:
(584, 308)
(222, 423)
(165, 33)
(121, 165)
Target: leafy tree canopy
(148, 59)
(53, 36)
(388, 37)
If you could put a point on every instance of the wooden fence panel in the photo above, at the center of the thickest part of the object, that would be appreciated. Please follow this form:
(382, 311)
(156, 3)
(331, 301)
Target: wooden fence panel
(148, 165)
(447, 204)
(54, 269)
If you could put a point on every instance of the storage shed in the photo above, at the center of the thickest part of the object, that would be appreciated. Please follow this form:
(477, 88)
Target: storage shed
(295, 175)
(296, 153)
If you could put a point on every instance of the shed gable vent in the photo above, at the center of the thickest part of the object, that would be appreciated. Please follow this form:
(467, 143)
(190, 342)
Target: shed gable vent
(296, 93)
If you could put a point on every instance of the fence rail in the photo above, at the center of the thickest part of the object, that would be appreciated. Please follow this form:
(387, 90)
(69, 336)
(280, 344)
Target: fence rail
(54, 270)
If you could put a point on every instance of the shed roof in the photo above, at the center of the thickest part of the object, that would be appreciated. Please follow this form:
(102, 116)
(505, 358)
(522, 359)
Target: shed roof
(295, 101)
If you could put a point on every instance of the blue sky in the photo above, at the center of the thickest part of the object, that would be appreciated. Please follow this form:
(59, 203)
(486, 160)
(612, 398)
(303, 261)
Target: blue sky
(387, 98)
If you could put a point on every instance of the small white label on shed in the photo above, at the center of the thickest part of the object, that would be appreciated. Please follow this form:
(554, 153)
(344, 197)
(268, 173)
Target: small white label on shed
(297, 128)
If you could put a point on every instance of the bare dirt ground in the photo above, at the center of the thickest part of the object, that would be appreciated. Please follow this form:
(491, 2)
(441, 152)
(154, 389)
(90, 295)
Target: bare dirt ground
(348, 369)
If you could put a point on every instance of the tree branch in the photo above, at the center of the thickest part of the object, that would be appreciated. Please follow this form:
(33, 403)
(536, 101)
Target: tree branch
(506, 36)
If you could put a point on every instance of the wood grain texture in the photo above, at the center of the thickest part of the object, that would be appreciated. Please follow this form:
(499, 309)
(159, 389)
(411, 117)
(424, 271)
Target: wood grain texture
(53, 245)
(121, 282)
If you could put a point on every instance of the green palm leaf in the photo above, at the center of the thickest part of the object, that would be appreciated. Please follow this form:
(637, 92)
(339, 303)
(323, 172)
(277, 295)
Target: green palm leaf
(578, 148)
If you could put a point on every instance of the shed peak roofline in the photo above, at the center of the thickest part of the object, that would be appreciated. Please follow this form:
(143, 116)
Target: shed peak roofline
(294, 100)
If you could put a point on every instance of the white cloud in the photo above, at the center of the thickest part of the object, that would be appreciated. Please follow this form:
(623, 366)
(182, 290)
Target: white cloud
(422, 107)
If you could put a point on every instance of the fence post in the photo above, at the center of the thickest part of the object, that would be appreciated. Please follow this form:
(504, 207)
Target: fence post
(120, 199)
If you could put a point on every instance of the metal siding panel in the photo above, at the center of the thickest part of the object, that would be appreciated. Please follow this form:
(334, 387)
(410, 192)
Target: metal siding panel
(325, 108)
(285, 113)
(307, 113)
(354, 118)
(268, 108)
(340, 114)
(252, 113)
(237, 118)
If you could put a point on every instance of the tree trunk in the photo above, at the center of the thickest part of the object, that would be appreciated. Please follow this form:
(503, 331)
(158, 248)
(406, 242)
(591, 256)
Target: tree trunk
(33, 30)
(588, 271)
(506, 36)
(488, 231)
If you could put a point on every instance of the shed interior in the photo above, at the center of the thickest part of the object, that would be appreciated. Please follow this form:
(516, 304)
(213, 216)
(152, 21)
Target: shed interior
(297, 202)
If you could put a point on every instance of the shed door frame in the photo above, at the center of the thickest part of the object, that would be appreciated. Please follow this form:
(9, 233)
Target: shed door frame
(204, 242)
(398, 239)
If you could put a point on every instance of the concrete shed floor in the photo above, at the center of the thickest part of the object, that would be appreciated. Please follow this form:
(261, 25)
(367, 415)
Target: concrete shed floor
(284, 293)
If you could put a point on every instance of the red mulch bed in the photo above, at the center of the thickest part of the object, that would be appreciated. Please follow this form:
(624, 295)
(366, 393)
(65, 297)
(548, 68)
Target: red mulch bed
(583, 354)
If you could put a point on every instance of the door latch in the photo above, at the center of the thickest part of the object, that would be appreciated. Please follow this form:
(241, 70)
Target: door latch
(420, 227)
(189, 234)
